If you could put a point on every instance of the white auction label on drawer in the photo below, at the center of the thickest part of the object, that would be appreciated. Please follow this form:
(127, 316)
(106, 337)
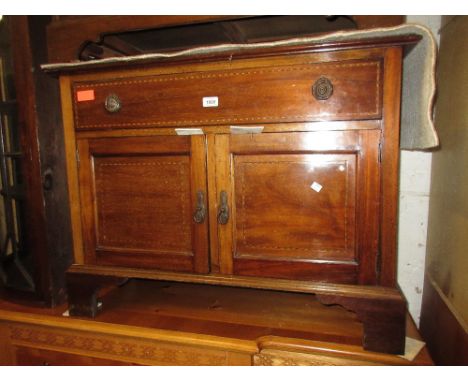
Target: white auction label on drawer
(210, 102)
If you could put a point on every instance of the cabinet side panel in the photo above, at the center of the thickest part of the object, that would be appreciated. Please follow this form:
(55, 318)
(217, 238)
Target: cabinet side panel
(390, 164)
(72, 171)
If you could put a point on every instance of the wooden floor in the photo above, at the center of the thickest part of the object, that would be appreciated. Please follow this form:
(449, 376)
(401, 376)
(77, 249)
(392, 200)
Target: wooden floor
(264, 319)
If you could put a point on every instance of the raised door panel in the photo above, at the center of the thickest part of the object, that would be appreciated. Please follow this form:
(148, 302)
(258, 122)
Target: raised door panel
(138, 199)
(302, 205)
(153, 190)
(316, 192)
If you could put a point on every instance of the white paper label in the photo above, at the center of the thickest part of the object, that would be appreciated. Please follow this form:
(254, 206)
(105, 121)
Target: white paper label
(317, 187)
(246, 129)
(210, 102)
(189, 131)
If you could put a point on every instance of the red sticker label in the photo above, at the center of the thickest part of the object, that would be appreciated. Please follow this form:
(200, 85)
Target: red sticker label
(85, 95)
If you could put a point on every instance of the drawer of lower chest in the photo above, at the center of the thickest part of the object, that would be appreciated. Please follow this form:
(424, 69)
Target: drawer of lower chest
(40, 357)
(347, 90)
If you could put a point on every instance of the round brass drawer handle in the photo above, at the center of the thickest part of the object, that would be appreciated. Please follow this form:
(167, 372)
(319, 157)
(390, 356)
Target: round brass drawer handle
(322, 89)
(112, 103)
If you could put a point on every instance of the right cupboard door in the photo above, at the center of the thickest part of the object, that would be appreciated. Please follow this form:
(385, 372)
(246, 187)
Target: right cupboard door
(301, 206)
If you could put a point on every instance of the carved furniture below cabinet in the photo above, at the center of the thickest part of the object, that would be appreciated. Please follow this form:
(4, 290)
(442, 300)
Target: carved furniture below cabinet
(273, 169)
(167, 323)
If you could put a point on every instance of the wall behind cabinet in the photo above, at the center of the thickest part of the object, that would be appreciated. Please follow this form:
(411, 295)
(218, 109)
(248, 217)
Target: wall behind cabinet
(415, 180)
(444, 318)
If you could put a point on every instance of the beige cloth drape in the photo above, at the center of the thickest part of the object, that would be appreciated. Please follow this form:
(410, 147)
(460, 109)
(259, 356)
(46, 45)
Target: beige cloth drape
(418, 88)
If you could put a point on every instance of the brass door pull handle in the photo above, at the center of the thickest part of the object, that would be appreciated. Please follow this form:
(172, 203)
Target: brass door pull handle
(112, 103)
(322, 89)
(223, 211)
(200, 210)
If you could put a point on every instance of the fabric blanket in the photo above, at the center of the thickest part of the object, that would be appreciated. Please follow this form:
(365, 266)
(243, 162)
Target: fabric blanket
(418, 87)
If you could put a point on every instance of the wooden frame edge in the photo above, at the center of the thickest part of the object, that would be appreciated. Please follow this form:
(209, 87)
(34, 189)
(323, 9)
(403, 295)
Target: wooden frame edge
(72, 170)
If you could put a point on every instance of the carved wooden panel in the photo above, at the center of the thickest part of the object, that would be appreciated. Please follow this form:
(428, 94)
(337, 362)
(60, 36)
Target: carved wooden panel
(284, 358)
(257, 95)
(139, 196)
(114, 347)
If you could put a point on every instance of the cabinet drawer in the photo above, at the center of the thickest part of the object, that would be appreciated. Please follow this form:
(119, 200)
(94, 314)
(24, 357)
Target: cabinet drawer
(241, 96)
(40, 357)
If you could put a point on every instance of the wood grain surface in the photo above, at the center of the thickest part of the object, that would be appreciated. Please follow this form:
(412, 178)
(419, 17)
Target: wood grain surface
(280, 226)
(138, 198)
(257, 95)
(171, 323)
(282, 233)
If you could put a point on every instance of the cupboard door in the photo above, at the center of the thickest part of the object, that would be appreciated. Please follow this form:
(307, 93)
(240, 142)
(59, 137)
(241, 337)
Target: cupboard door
(301, 205)
(139, 200)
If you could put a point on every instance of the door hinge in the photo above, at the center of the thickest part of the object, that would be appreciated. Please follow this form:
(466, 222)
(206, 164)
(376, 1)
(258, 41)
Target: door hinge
(380, 152)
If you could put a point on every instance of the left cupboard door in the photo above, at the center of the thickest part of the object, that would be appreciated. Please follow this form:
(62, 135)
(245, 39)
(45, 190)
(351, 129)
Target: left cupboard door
(143, 202)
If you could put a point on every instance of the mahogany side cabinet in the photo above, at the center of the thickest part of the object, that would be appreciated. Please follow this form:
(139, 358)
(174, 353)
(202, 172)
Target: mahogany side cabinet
(273, 169)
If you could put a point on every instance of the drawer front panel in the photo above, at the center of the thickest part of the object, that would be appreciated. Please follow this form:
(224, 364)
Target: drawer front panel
(258, 95)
